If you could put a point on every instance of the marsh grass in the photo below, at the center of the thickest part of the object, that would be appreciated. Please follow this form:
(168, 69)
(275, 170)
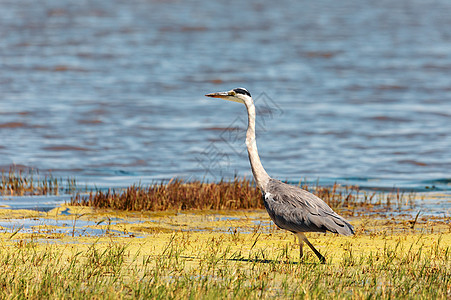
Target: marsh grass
(214, 268)
(177, 195)
(20, 183)
(240, 193)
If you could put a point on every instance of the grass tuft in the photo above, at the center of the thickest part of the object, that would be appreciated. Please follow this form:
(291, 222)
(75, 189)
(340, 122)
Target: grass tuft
(177, 195)
(21, 183)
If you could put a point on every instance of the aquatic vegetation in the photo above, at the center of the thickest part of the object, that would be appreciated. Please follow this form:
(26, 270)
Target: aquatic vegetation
(240, 193)
(18, 183)
(177, 195)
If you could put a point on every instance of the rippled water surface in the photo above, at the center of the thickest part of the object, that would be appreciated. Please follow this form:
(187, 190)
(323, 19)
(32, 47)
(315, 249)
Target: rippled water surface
(112, 91)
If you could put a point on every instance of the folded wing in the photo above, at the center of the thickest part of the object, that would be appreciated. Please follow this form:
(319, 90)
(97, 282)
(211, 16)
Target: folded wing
(297, 210)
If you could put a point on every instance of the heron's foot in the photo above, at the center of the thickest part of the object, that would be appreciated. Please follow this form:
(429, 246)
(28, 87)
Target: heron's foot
(304, 239)
(322, 259)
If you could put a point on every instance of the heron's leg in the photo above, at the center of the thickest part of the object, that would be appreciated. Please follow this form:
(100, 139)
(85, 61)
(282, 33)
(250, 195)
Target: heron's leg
(304, 238)
(301, 244)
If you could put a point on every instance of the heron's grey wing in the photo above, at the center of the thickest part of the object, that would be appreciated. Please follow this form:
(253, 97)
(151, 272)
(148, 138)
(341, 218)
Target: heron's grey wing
(297, 210)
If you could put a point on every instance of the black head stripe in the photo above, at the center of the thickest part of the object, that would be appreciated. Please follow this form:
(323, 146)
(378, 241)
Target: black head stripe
(242, 91)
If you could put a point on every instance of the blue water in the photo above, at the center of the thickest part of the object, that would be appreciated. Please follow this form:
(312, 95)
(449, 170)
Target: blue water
(111, 92)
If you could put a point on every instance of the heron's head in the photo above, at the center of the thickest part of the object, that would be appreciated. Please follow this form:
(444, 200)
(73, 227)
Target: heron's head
(240, 95)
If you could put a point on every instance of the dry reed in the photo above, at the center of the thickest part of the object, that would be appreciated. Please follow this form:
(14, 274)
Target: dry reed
(20, 183)
(240, 193)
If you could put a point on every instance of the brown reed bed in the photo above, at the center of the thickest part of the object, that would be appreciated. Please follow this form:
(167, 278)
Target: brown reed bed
(25, 183)
(240, 193)
(177, 195)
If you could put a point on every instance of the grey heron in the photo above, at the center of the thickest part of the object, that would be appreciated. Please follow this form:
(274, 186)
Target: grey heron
(290, 207)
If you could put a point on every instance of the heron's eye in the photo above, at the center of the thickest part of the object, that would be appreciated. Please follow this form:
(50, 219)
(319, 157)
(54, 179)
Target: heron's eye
(232, 93)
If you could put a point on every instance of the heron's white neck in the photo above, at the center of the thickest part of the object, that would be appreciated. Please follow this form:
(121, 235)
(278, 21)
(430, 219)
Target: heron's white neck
(260, 175)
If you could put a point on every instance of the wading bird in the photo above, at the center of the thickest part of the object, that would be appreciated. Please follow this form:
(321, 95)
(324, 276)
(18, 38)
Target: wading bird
(290, 207)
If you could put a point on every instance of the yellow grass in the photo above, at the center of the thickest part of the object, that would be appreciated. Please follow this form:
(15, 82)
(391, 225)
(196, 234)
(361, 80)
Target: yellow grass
(209, 254)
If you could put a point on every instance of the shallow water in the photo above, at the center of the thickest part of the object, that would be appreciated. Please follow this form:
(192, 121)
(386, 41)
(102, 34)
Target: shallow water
(111, 92)
(39, 203)
(47, 226)
(85, 222)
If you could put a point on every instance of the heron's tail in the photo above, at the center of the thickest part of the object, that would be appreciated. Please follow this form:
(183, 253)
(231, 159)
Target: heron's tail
(340, 225)
(348, 229)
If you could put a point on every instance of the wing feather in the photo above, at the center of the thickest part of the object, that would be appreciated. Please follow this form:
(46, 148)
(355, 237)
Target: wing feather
(297, 210)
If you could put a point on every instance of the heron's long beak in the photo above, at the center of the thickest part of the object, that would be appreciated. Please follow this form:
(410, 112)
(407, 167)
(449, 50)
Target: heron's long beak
(218, 95)
(225, 96)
